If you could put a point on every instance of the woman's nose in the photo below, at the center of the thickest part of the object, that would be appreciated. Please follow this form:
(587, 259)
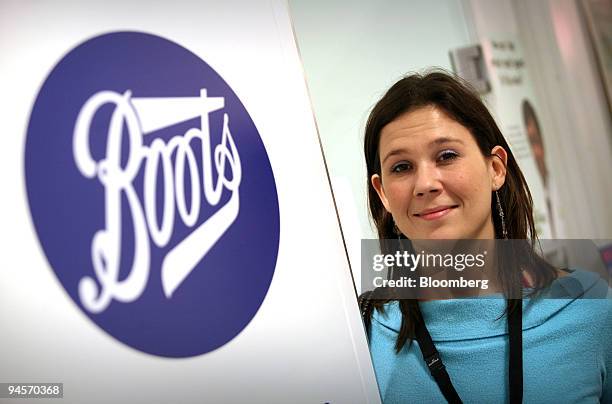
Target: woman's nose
(427, 180)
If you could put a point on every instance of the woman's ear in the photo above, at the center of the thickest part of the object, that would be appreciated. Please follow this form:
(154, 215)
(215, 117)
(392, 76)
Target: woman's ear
(498, 161)
(377, 184)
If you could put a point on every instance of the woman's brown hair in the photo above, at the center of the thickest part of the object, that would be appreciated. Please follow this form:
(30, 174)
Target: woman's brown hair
(460, 102)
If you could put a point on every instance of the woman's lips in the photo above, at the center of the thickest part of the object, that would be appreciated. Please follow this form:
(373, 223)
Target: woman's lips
(438, 213)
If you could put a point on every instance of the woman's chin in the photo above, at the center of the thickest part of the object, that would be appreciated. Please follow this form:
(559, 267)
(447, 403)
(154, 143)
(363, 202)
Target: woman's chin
(441, 234)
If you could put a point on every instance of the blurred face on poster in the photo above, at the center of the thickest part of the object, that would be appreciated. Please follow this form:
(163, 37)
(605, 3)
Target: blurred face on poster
(535, 139)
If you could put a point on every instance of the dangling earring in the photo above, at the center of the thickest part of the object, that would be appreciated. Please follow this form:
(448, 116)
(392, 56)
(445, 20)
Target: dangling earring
(501, 216)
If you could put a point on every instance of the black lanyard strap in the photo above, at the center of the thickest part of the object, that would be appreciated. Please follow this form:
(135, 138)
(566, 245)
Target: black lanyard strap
(434, 363)
(515, 364)
(438, 370)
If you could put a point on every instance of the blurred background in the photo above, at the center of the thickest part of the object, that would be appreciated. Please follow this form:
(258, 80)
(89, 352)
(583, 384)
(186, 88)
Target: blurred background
(544, 69)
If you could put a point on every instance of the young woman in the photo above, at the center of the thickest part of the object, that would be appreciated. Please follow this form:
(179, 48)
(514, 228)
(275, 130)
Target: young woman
(439, 168)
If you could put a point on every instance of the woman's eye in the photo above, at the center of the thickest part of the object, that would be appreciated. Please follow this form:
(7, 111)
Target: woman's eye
(447, 155)
(400, 167)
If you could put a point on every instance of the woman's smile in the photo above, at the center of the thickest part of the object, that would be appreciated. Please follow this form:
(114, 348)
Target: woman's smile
(435, 213)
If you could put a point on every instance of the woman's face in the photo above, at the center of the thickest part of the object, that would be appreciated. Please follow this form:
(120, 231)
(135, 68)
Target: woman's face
(434, 180)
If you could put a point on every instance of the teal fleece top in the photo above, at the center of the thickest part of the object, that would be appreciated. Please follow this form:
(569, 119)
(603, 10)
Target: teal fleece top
(567, 347)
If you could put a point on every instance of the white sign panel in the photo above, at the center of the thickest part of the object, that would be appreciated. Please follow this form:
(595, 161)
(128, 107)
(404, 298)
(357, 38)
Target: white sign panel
(169, 228)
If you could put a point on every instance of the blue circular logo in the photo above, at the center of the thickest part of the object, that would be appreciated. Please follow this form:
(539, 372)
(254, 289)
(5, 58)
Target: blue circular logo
(152, 194)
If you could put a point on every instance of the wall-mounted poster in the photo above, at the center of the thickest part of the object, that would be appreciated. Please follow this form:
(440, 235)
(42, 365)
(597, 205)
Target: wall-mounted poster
(512, 101)
(599, 20)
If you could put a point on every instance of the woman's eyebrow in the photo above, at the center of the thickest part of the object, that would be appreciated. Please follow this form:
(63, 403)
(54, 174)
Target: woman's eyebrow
(435, 142)
(443, 140)
(393, 153)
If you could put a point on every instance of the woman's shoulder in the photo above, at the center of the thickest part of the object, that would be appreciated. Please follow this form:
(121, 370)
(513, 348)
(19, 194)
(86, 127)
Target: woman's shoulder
(579, 284)
(580, 296)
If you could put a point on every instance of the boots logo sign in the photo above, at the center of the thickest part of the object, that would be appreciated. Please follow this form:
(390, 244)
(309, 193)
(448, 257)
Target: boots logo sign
(152, 194)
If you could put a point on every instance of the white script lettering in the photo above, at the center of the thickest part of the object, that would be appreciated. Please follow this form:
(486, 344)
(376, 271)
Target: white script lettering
(142, 116)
